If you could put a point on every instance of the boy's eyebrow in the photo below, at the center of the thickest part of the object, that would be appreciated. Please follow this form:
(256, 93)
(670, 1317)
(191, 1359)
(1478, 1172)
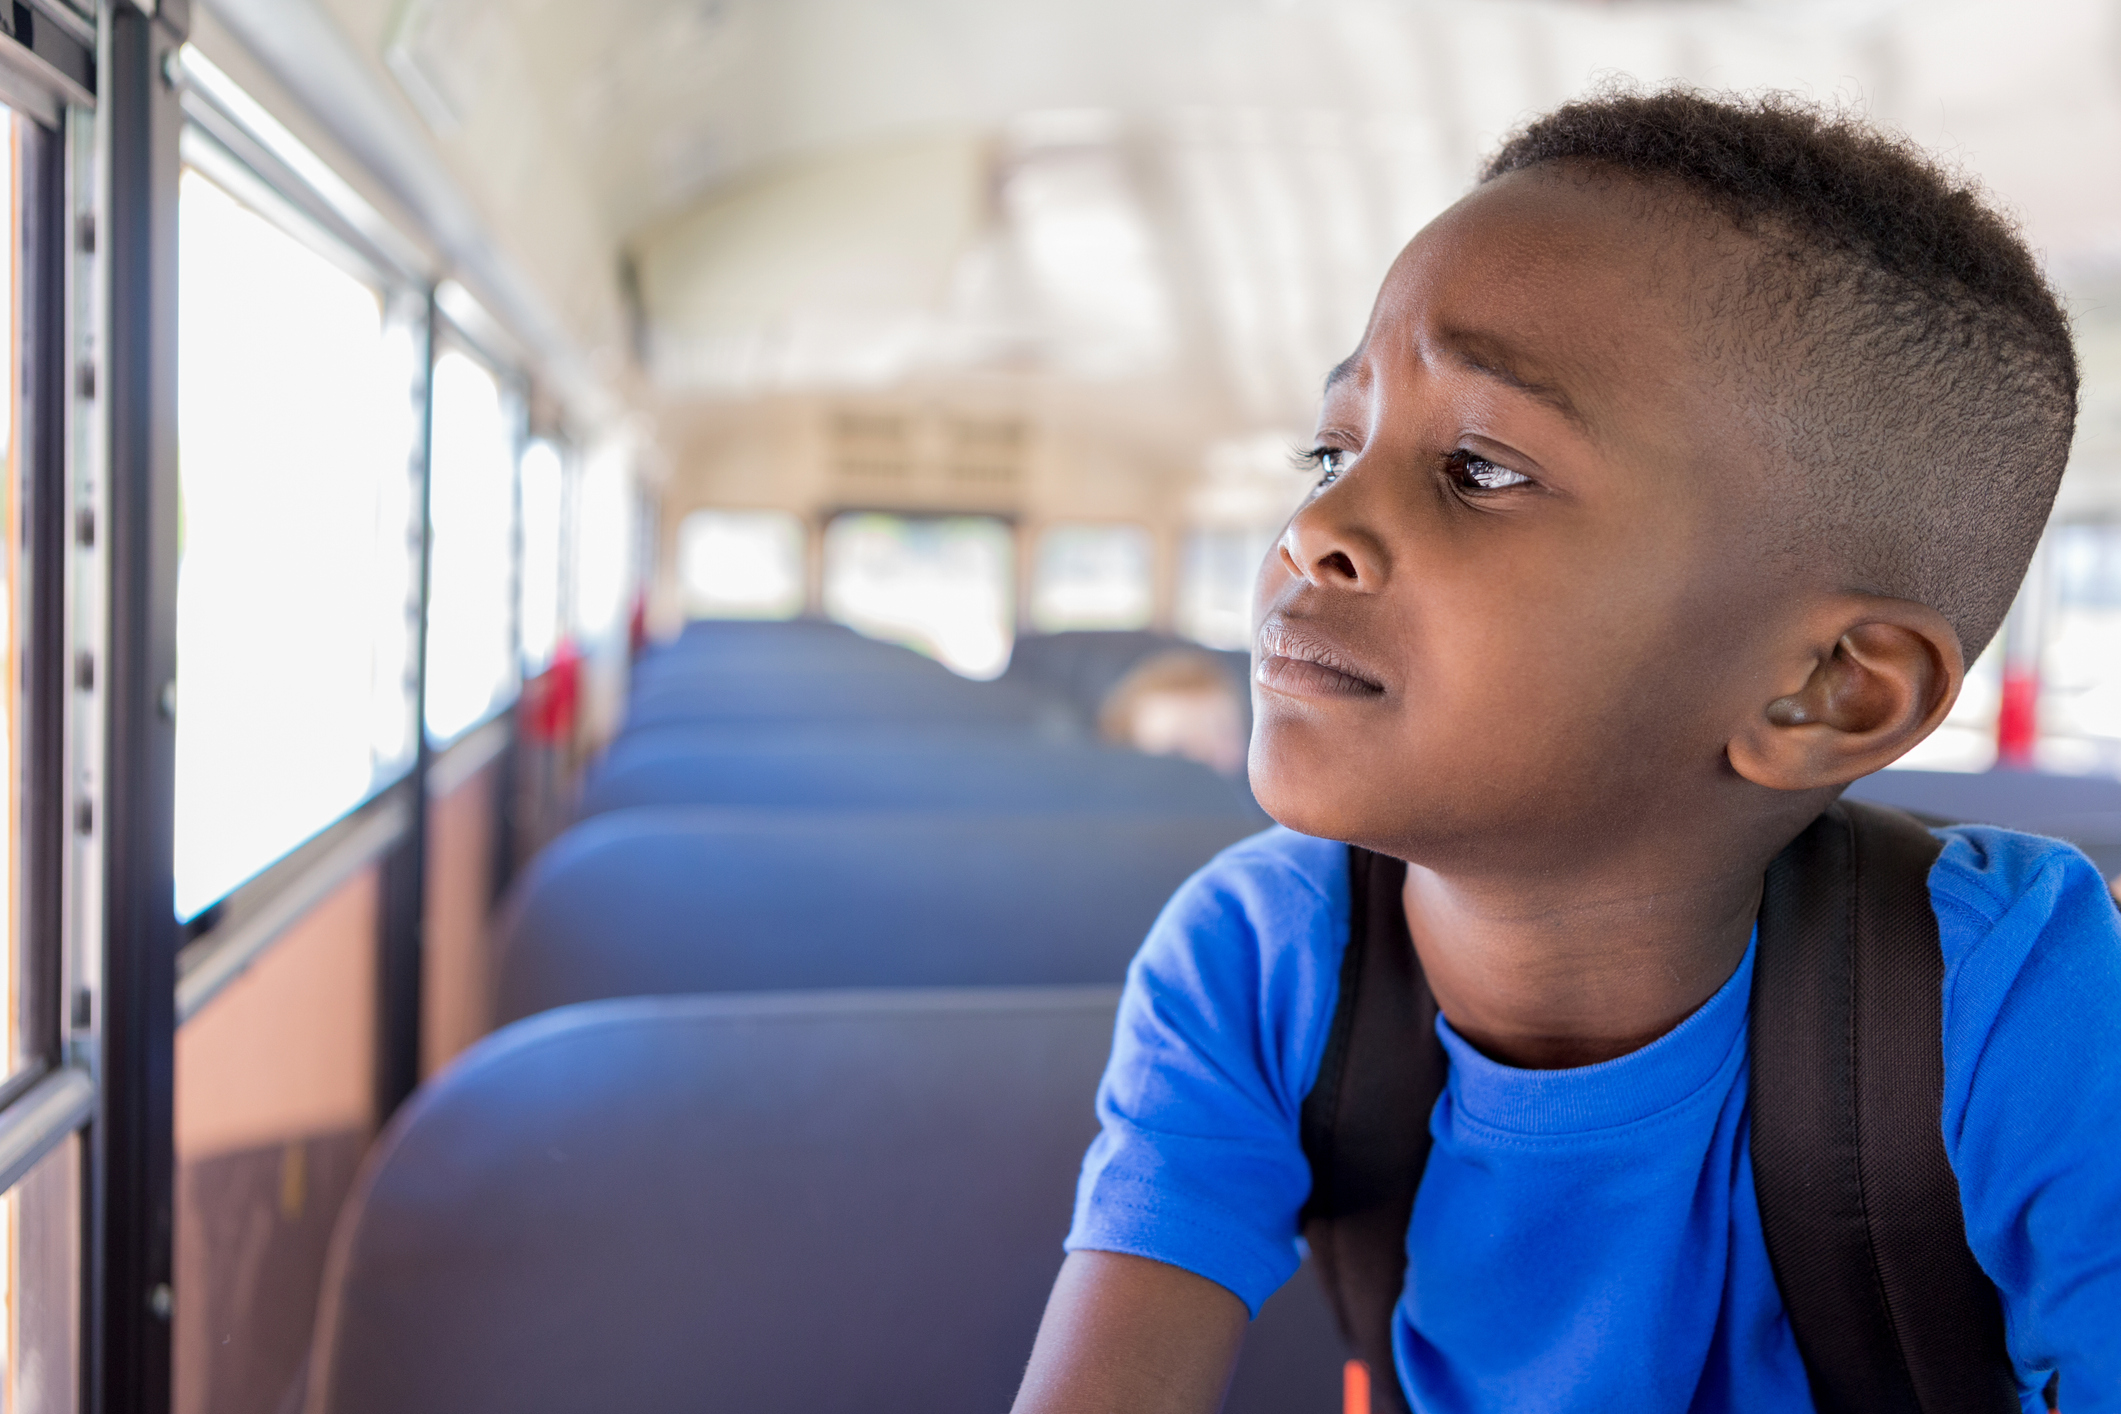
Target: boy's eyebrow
(1482, 354)
(1344, 369)
(1485, 355)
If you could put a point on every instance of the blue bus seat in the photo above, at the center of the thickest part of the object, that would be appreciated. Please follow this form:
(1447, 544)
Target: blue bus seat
(830, 696)
(747, 655)
(683, 738)
(917, 772)
(777, 1204)
(780, 640)
(662, 901)
(2085, 810)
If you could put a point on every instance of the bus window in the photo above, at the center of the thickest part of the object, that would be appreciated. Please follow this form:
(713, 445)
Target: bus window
(471, 497)
(1216, 574)
(741, 564)
(1093, 577)
(2080, 700)
(543, 491)
(296, 430)
(602, 554)
(937, 583)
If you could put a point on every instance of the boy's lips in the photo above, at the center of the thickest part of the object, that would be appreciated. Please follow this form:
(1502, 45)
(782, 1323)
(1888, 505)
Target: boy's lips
(1297, 659)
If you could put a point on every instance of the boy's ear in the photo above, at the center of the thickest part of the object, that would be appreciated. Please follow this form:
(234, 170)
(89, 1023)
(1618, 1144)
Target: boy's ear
(1860, 680)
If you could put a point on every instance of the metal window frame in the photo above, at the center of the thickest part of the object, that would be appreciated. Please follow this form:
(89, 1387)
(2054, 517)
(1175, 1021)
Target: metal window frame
(40, 610)
(218, 107)
(49, 1098)
(132, 1166)
(50, 67)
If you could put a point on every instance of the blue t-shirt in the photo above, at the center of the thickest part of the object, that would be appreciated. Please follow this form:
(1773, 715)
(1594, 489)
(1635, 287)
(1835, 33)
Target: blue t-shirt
(1589, 1239)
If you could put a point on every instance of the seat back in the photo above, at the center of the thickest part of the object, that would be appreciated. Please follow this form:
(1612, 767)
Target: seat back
(776, 1204)
(652, 902)
(818, 696)
(2085, 810)
(784, 643)
(923, 771)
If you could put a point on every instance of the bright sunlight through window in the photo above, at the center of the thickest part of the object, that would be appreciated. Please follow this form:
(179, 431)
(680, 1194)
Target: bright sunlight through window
(1093, 577)
(603, 544)
(741, 564)
(544, 493)
(1215, 580)
(295, 430)
(470, 667)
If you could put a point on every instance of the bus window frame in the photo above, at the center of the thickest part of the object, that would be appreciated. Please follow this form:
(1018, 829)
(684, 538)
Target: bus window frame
(202, 151)
(48, 81)
(30, 1124)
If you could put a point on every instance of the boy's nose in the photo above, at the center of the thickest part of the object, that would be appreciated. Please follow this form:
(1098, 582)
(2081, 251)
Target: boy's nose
(1320, 545)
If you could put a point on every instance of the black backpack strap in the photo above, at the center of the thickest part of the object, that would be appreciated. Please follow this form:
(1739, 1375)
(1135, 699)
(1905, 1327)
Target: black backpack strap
(1366, 1120)
(1858, 1200)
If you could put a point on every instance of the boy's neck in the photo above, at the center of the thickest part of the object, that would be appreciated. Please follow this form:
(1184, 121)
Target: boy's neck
(1553, 974)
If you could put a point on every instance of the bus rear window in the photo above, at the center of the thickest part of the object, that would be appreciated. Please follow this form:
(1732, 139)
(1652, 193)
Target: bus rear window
(1093, 577)
(941, 584)
(741, 564)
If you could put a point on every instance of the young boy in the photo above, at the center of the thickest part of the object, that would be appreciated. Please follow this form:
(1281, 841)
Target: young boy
(1682, 469)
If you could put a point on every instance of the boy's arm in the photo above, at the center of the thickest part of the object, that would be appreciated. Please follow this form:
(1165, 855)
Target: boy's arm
(1129, 1333)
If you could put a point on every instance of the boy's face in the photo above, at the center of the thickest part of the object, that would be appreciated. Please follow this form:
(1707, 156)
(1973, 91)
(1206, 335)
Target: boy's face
(1514, 623)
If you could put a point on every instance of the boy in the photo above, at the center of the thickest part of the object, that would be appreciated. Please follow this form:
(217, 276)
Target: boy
(1682, 469)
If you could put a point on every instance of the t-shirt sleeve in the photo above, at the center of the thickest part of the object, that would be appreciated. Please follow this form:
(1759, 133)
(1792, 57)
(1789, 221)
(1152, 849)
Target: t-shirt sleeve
(2032, 1096)
(1199, 1161)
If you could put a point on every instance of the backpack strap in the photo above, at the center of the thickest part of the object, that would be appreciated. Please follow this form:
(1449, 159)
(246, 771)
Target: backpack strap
(1365, 1123)
(1858, 1201)
(1857, 1198)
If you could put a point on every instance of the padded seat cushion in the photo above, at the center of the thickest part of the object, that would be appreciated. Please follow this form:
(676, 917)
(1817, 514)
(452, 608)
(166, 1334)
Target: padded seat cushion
(920, 771)
(645, 902)
(2085, 810)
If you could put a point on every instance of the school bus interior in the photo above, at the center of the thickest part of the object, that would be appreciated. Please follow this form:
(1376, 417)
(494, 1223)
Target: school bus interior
(619, 617)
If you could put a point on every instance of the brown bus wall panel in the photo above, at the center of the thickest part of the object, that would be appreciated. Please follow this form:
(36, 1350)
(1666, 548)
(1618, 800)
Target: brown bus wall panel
(461, 852)
(275, 1106)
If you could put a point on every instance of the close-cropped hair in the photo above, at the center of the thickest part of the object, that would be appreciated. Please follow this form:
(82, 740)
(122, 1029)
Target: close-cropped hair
(1909, 362)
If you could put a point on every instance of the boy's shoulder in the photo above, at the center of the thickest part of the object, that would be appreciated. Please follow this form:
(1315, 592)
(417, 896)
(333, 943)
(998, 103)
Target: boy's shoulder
(2027, 925)
(1988, 877)
(1244, 962)
(1279, 859)
(1268, 894)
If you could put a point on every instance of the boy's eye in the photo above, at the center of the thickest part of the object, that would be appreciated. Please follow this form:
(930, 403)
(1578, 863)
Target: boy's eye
(1328, 462)
(1477, 473)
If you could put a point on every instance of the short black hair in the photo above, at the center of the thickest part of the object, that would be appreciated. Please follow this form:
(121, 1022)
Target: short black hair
(1924, 386)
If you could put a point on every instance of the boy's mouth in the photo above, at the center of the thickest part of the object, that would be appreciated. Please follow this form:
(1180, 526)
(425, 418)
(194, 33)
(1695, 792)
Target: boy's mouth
(1299, 660)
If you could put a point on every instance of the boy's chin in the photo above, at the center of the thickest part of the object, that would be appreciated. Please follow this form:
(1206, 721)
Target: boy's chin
(1313, 793)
